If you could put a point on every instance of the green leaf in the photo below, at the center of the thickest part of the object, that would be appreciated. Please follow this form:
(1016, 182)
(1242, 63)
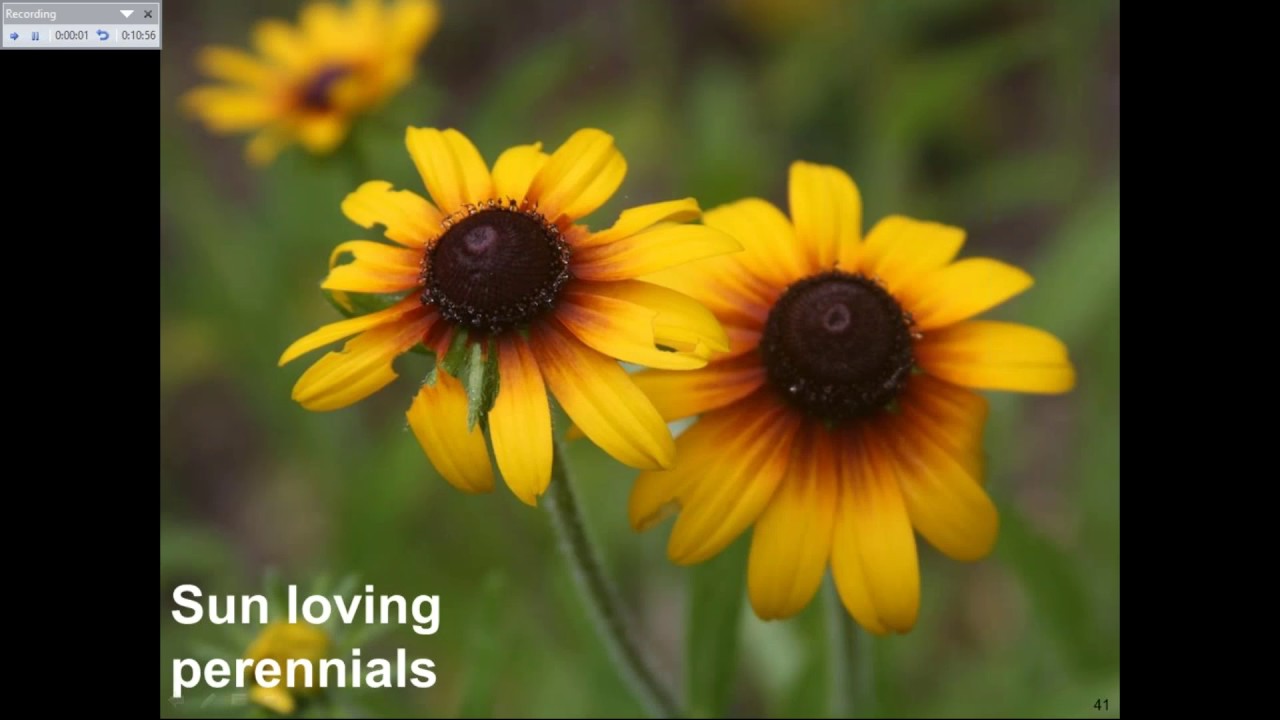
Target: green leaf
(481, 383)
(429, 379)
(340, 301)
(455, 359)
(357, 304)
(715, 606)
(473, 383)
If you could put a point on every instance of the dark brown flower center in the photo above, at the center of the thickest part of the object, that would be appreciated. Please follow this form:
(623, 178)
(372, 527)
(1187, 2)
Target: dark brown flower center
(838, 346)
(315, 94)
(495, 268)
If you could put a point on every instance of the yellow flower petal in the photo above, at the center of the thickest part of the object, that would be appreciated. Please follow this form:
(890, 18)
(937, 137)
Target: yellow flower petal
(438, 418)
(321, 134)
(281, 43)
(658, 494)
(225, 109)
(736, 296)
(234, 66)
(792, 539)
(276, 699)
(281, 640)
(881, 532)
(361, 368)
(662, 246)
(641, 217)
(742, 340)
(346, 328)
(681, 394)
(770, 248)
(580, 176)
(450, 166)
(826, 210)
(520, 422)
(364, 19)
(962, 290)
(899, 249)
(629, 319)
(354, 92)
(735, 487)
(953, 417)
(322, 24)
(946, 504)
(847, 568)
(266, 145)
(516, 168)
(997, 356)
(408, 218)
(602, 400)
(376, 268)
(409, 24)
(682, 322)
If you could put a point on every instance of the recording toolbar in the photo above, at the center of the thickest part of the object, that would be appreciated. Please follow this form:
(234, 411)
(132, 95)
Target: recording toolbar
(103, 25)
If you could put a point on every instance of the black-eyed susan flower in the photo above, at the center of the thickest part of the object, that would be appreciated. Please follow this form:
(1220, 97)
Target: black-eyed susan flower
(842, 421)
(515, 298)
(281, 642)
(307, 83)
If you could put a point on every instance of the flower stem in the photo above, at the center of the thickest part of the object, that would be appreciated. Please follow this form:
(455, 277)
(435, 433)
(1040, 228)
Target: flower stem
(619, 637)
(848, 662)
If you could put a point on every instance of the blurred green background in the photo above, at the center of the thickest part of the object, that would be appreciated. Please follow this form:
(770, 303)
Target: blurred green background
(1000, 116)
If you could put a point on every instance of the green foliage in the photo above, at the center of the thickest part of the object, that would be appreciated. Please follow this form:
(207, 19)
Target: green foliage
(476, 367)
(481, 382)
(357, 304)
(457, 356)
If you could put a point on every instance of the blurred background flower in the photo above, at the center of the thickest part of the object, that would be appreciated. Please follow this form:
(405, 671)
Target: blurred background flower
(281, 641)
(308, 82)
(999, 116)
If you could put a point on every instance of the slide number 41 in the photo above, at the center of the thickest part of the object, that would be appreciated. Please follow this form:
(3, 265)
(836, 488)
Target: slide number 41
(1101, 704)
